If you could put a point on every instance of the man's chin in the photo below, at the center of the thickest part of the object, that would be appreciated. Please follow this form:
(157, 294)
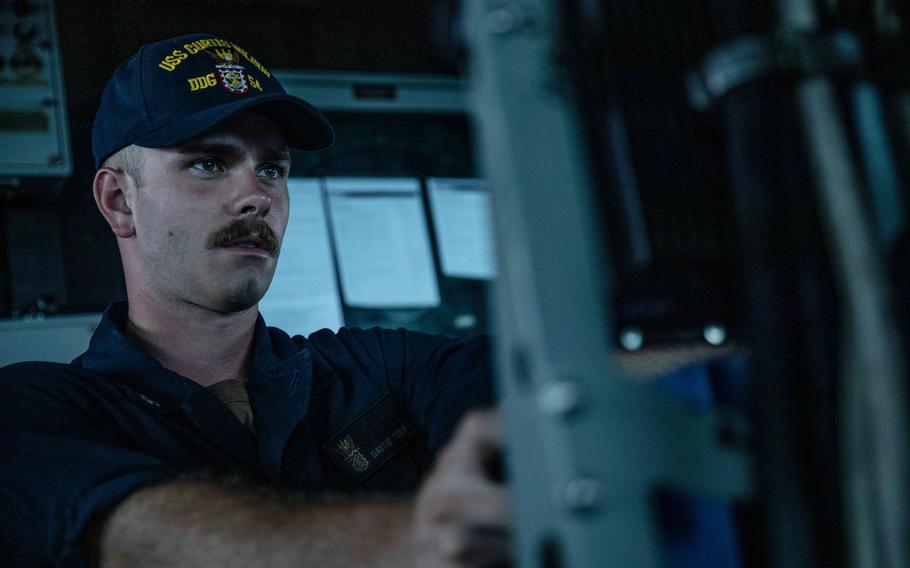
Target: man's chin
(239, 290)
(236, 305)
(243, 297)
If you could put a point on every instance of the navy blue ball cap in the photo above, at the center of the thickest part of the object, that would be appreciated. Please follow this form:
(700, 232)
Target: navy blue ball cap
(174, 90)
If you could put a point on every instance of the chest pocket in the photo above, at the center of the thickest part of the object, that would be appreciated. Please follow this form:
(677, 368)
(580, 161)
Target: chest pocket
(371, 449)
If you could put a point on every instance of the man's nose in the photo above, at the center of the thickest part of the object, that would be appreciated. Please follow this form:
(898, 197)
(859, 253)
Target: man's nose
(251, 199)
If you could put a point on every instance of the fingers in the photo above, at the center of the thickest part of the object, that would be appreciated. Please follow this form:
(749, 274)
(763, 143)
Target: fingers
(481, 427)
(462, 516)
(453, 545)
(477, 441)
(475, 546)
(465, 500)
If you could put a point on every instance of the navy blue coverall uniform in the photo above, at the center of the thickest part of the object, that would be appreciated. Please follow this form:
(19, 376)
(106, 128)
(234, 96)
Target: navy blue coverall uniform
(352, 411)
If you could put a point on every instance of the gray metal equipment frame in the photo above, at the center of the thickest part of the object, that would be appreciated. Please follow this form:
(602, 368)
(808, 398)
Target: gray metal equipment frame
(588, 448)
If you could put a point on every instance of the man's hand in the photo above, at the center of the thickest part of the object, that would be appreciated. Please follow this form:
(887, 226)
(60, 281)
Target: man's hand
(462, 515)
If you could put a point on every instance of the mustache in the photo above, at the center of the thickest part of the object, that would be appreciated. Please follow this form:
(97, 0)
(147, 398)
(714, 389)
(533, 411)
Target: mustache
(240, 229)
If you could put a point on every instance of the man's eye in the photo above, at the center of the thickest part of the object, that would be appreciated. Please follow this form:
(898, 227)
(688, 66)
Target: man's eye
(271, 172)
(209, 165)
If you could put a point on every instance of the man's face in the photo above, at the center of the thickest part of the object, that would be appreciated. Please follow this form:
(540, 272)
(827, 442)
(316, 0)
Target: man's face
(211, 213)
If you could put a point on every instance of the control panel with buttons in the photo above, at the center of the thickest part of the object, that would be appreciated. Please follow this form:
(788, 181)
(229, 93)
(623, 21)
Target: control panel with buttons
(34, 133)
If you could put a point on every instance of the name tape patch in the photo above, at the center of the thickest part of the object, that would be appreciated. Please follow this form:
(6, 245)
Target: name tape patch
(371, 440)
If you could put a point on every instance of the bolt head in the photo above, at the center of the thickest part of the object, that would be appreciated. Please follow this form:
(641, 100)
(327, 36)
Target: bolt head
(560, 398)
(715, 334)
(581, 494)
(631, 339)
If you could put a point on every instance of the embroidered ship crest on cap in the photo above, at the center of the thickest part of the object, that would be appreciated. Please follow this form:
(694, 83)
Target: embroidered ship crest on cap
(233, 76)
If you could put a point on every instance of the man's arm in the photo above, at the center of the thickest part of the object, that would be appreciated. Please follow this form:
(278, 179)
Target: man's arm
(197, 524)
(461, 518)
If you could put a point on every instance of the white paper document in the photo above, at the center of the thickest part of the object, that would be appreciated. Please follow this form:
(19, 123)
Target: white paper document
(462, 218)
(382, 243)
(304, 295)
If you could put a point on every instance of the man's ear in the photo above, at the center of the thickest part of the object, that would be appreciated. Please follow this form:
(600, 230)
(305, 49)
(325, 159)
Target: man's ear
(109, 188)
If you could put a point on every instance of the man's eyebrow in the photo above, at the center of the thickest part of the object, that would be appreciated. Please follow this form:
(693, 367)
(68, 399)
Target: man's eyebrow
(211, 148)
(276, 155)
(233, 151)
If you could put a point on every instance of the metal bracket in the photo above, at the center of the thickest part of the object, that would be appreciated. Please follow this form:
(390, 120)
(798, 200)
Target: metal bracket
(781, 54)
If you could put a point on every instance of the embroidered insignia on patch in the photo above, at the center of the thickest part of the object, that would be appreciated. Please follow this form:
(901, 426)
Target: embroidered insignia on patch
(371, 440)
(351, 454)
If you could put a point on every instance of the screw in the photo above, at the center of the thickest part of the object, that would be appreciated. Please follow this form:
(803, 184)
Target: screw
(464, 321)
(581, 494)
(631, 339)
(715, 334)
(505, 19)
(560, 398)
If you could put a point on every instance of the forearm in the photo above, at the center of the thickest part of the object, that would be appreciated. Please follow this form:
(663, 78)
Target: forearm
(202, 524)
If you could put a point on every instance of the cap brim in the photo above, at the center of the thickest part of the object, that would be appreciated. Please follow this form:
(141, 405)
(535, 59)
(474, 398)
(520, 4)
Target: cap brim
(304, 126)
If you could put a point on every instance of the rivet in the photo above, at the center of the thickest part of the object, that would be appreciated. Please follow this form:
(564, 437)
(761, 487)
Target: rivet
(581, 494)
(715, 334)
(560, 398)
(631, 339)
(505, 19)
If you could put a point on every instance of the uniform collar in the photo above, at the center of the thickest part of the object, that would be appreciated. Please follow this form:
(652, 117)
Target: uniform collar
(280, 384)
(284, 373)
(275, 353)
(113, 354)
